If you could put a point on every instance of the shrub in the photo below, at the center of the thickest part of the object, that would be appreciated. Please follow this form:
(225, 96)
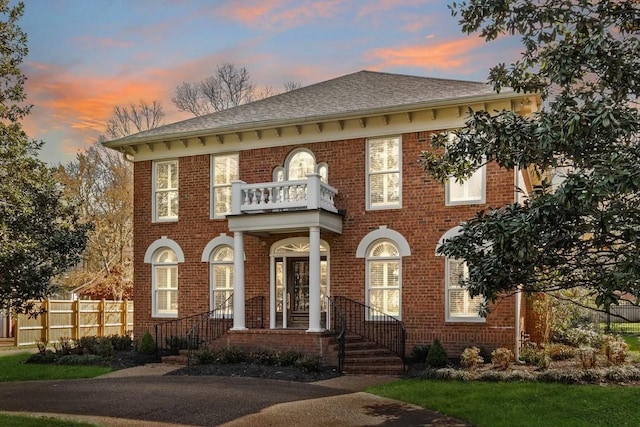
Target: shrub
(471, 358)
(146, 344)
(121, 342)
(419, 353)
(263, 357)
(502, 358)
(100, 346)
(45, 357)
(587, 357)
(205, 356)
(437, 357)
(557, 351)
(308, 363)
(231, 355)
(615, 349)
(287, 358)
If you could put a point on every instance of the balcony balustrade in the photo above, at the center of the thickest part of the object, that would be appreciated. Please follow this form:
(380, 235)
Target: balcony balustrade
(308, 194)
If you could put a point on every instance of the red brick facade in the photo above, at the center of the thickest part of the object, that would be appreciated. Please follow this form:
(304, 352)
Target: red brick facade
(422, 220)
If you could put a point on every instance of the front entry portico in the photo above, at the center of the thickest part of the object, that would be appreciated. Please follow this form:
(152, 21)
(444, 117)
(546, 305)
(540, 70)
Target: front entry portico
(312, 292)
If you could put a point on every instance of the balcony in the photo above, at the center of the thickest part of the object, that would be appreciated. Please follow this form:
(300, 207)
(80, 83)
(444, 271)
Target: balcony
(309, 194)
(284, 207)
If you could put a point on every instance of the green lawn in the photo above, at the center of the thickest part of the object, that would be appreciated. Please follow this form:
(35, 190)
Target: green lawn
(12, 368)
(522, 404)
(26, 421)
(633, 341)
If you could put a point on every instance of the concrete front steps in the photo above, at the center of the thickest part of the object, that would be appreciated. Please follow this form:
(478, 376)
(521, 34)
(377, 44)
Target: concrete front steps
(364, 357)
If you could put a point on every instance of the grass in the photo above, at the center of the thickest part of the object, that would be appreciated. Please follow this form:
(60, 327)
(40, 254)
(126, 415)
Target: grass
(633, 341)
(26, 421)
(521, 404)
(13, 368)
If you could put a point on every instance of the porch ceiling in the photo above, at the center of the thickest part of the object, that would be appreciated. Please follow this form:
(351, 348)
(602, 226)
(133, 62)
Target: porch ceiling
(278, 222)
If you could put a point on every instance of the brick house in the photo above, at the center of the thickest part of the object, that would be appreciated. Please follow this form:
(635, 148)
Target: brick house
(278, 210)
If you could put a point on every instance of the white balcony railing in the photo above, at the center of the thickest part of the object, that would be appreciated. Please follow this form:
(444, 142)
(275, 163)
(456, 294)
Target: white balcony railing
(269, 196)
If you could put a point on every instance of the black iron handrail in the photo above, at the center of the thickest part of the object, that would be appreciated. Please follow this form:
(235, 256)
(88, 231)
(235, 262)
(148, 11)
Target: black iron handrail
(339, 327)
(373, 325)
(196, 331)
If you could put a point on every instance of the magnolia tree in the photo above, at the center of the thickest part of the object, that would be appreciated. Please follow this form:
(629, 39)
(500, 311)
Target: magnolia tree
(583, 58)
(41, 234)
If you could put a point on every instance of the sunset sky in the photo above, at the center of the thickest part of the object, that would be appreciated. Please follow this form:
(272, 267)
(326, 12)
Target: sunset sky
(87, 56)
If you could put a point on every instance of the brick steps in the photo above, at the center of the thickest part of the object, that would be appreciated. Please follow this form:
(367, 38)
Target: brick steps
(182, 358)
(367, 357)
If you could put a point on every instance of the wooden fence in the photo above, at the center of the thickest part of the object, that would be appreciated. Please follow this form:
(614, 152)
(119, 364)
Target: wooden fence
(74, 319)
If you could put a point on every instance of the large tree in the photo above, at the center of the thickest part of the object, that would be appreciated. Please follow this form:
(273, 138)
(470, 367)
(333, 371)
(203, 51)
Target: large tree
(41, 234)
(229, 86)
(102, 180)
(583, 57)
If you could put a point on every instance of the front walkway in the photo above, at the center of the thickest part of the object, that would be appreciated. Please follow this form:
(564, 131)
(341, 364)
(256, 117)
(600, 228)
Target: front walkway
(142, 396)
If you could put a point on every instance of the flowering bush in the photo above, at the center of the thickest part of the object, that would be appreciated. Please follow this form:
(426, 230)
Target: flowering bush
(470, 358)
(502, 358)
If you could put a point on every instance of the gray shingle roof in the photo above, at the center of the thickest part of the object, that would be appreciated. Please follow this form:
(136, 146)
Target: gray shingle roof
(361, 93)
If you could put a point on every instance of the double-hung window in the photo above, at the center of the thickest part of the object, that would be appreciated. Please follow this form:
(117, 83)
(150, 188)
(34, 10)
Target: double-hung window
(460, 305)
(224, 170)
(471, 191)
(165, 190)
(384, 186)
(165, 283)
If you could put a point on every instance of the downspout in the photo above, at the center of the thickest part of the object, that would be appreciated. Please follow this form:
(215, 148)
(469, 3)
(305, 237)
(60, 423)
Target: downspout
(518, 298)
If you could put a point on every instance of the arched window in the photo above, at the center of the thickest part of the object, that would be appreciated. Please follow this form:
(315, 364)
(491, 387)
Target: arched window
(384, 278)
(300, 164)
(165, 283)
(221, 271)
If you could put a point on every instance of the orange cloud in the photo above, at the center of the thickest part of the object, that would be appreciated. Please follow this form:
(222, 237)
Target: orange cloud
(280, 13)
(445, 56)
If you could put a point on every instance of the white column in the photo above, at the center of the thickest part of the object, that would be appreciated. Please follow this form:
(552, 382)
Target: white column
(314, 280)
(238, 281)
(272, 292)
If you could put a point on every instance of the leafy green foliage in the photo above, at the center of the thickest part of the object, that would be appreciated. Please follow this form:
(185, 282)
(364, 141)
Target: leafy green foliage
(41, 235)
(581, 58)
(146, 345)
(437, 356)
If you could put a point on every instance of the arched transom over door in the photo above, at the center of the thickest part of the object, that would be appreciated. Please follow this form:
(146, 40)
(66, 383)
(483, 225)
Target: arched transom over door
(290, 282)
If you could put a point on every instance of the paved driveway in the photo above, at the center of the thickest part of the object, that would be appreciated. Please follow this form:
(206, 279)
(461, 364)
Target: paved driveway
(212, 401)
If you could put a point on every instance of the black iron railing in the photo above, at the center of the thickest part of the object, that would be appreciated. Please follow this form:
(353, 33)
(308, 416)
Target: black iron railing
(339, 328)
(196, 331)
(373, 325)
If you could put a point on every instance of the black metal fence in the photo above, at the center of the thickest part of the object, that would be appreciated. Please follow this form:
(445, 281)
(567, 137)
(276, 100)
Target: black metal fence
(194, 332)
(623, 318)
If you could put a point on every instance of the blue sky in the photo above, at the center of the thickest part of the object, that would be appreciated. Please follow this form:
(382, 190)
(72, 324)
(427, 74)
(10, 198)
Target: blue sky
(87, 56)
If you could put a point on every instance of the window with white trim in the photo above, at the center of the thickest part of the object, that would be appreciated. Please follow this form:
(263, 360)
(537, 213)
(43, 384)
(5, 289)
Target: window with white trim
(459, 304)
(384, 278)
(384, 187)
(224, 170)
(165, 190)
(221, 270)
(165, 283)
(471, 191)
